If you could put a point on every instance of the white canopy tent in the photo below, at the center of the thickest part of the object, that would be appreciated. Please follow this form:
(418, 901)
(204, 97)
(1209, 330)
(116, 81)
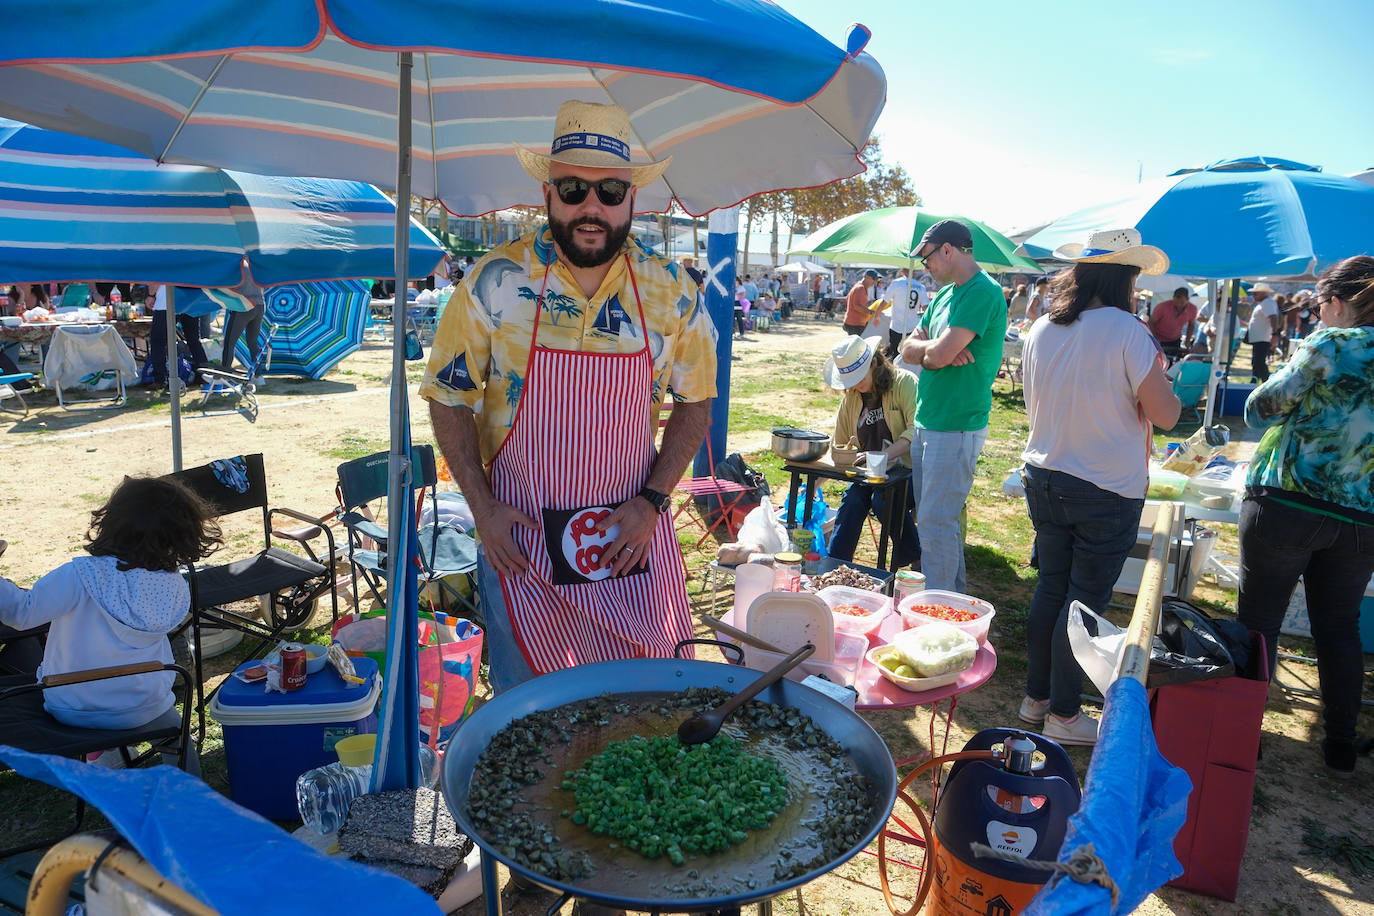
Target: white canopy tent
(806, 267)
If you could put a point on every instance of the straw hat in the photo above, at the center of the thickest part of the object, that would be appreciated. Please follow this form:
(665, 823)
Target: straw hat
(1116, 246)
(849, 361)
(1261, 287)
(593, 136)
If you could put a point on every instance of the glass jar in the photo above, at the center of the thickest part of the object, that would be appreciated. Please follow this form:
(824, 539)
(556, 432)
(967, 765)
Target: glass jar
(787, 572)
(908, 582)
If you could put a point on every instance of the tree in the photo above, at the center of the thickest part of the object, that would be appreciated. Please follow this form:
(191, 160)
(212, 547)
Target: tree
(881, 185)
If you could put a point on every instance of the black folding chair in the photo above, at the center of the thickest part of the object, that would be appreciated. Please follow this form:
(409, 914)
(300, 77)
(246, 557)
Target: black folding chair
(292, 582)
(443, 549)
(25, 724)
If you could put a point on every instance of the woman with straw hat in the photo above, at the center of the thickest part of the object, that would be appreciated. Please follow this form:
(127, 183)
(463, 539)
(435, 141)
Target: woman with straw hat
(1094, 387)
(877, 411)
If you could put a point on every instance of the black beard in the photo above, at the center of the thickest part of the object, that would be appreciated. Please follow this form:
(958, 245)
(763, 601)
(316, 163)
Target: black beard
(580, 257)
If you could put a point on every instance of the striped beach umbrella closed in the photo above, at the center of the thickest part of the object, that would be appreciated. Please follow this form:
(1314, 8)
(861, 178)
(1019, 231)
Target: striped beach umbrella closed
(317, 325)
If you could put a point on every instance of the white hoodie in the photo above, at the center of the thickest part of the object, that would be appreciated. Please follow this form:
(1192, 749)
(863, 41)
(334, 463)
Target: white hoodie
(100, 617)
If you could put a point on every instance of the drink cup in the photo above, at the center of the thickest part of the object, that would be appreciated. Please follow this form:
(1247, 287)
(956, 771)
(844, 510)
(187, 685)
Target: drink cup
(876, 462)
(751, 580)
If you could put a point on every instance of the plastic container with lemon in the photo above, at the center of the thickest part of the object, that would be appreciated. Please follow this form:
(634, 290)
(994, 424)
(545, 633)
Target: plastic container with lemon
(929, 656)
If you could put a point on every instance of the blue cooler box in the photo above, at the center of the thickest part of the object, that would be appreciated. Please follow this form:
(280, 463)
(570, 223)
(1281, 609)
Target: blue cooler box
(272, 738)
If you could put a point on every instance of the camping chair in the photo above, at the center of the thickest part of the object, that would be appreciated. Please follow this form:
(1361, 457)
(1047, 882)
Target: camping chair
(25, 724)
(444, 550)
(695, 509)
(238, 385)
(293, 583)
(7, 391)
(92, 358)
(1190, 382)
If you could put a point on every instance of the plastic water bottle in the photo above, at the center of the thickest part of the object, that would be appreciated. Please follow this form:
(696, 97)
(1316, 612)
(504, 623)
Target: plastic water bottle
(324, 793)
(116, 297)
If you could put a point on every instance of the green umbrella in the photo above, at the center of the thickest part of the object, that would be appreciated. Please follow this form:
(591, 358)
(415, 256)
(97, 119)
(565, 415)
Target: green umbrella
(891, 236)
(461, 247)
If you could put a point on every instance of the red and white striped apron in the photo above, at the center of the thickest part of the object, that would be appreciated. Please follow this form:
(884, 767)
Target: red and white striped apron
(582, 438)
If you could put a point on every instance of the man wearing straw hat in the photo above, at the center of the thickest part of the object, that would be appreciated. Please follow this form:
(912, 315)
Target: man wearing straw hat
(1264, 324)
(548, 370)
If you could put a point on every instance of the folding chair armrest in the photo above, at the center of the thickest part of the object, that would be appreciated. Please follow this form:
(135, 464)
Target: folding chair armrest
(356, 521)
(95, 674)
(313, 528)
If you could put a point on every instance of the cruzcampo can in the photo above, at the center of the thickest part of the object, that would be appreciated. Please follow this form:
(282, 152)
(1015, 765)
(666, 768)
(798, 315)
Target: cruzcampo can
(292, 666)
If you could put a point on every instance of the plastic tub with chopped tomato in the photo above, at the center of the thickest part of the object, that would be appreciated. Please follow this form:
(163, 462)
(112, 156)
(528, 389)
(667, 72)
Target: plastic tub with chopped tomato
(972, 615)
(856, 610)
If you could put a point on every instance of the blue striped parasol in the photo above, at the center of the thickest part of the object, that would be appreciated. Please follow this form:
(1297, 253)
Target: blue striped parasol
(318, 324)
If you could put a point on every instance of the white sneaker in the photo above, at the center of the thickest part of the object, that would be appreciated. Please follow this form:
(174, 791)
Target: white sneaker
(1033, 711)
(1080, 730)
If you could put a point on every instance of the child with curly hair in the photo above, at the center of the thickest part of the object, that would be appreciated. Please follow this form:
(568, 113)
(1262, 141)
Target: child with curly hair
(117, 605)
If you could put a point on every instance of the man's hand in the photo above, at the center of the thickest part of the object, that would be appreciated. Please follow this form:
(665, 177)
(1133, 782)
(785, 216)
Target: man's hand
(962, 358)
(496, 528)
(637, 520)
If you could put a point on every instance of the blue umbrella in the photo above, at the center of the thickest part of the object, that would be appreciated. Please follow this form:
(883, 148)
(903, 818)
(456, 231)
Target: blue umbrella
(1255, 217)
(72, 208)
(317, 325)
(325, 85)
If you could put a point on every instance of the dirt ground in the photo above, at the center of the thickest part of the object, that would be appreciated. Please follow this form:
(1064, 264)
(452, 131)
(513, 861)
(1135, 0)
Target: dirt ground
(64, 464)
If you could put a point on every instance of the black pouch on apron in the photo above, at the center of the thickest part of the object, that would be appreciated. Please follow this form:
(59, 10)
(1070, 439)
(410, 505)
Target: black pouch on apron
(576, 549)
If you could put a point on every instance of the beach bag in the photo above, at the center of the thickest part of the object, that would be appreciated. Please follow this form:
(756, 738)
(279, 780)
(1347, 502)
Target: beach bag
(449, 659)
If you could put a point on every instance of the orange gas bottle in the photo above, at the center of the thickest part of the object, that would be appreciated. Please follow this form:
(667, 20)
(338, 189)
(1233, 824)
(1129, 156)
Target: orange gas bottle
(1012, 804)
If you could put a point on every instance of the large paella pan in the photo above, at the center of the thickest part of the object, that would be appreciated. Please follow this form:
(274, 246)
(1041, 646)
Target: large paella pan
(840, 775)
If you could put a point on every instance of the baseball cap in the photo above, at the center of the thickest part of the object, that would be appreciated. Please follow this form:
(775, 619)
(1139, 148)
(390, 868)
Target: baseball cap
(871, 273)
(947, 230)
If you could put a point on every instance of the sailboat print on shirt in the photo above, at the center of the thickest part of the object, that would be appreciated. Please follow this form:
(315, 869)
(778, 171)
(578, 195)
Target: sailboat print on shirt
(611, 316)
(456, 375)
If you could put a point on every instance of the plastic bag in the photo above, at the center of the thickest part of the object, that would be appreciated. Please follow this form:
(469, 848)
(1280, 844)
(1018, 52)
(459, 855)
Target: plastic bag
(820, 514)
(1097, 644)
(1190, 645)
(1194, 452)
(761, 532)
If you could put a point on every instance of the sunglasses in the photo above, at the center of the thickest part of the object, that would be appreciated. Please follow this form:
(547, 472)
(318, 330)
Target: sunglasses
(572, 191)
(925, 258)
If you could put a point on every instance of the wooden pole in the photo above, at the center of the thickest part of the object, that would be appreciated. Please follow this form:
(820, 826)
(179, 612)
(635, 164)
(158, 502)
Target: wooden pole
(1135, 660)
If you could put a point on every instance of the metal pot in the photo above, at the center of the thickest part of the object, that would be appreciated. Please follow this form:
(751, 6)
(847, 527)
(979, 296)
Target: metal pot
(792, 444)
(865, 748)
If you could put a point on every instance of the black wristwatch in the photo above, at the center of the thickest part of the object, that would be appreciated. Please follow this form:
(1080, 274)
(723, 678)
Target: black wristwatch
(659, 501)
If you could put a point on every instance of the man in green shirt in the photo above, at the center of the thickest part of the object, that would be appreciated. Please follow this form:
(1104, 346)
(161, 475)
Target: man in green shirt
(958, 345)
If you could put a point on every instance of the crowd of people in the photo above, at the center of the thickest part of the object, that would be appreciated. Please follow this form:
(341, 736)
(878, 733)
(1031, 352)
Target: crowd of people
(195, 320)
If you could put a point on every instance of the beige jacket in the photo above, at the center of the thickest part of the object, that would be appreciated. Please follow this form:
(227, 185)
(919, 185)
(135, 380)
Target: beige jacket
(899, 409)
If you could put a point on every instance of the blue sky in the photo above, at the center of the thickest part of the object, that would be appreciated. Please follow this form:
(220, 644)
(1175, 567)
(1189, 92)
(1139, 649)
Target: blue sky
(1018, 112)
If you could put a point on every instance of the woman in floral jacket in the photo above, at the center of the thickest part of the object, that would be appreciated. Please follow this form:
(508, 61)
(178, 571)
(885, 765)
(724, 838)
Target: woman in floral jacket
(1309, 505)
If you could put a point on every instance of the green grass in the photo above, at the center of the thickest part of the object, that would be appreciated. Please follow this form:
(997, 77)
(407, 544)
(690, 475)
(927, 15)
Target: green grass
(355, 444)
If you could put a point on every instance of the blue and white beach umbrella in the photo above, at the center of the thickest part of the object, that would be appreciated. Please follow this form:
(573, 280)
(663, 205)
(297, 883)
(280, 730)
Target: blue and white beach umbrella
(429, 97)
(317, 325)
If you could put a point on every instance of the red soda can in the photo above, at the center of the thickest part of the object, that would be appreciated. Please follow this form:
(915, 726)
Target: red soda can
(292, 666)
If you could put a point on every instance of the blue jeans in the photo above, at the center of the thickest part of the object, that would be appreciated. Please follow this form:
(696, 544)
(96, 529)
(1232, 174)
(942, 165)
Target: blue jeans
(849, 523)
(1082, 537)
(942, 465)
(506, 665)
(1279, 543)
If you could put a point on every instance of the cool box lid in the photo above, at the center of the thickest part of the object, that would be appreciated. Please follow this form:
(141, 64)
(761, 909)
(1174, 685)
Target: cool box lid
(326, 697)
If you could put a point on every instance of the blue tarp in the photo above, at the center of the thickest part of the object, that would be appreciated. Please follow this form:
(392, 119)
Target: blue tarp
(1134, 802)
(225, 856)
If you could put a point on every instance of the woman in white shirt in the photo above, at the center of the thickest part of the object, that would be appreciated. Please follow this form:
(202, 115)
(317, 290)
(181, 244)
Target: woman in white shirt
(1094, 384)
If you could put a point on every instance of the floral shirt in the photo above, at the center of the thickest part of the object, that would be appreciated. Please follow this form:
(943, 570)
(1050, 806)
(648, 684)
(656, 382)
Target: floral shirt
(1320, 412)
(481, 349)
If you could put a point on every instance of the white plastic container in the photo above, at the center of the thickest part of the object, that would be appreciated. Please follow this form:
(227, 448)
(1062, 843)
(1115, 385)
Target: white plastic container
(842, 668)
(876, 604)
(978, 629)
(792, 619)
